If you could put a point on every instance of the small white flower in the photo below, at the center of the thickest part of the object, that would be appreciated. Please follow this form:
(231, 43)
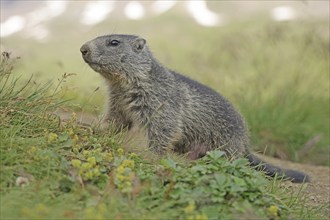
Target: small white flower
(22, 181)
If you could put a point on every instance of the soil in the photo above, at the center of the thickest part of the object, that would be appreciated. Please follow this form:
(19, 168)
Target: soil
(316, 193)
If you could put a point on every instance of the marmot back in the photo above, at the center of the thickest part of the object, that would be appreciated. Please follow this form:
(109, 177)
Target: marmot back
(176, 113)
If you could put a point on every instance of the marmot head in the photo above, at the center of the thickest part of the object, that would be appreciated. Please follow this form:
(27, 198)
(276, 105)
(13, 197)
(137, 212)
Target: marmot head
(118, 57)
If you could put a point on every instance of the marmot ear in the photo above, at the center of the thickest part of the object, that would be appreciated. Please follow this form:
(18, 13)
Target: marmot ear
(139, 44)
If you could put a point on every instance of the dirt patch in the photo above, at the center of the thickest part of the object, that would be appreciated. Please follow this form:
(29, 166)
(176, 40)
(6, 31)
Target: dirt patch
(317, 192)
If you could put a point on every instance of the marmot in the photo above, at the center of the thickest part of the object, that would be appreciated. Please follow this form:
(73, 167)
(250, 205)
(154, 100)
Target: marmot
(177, 113)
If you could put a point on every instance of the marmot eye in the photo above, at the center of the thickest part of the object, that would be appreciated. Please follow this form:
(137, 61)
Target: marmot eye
(112, 42)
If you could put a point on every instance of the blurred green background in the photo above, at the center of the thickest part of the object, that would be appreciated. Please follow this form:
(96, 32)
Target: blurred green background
(274, 70)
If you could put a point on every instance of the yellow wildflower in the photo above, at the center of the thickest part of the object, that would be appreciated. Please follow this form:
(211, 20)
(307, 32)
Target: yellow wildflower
(120, 169)
(73, 117)
(120, 177)
(273, 210)
(108, 157)
(52, 137)
(128, 163)
(94, 213)
(120, 151)
(86, 153)
(190, 217)
(124, 176)
(75, 138)
(201, 217)
(190, 207)
(133, 155)
(76, 163)
(88, 174)
(92, 161)
(76, 147)
(86, 166)
(70, 132)
(96, 171)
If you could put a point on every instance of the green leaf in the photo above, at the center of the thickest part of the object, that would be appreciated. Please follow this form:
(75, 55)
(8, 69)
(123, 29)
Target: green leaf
(169, 163)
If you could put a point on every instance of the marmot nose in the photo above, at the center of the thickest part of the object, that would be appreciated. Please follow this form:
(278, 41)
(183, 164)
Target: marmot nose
(84, 49)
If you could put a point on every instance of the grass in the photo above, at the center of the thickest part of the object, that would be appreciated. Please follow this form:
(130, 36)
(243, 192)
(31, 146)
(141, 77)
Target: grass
(60, 170)
(276, 74)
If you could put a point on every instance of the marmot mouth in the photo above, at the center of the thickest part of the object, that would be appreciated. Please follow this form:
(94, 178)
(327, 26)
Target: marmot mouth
(89, 62)
(100, 69)
(95, 66)
(86, 59)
